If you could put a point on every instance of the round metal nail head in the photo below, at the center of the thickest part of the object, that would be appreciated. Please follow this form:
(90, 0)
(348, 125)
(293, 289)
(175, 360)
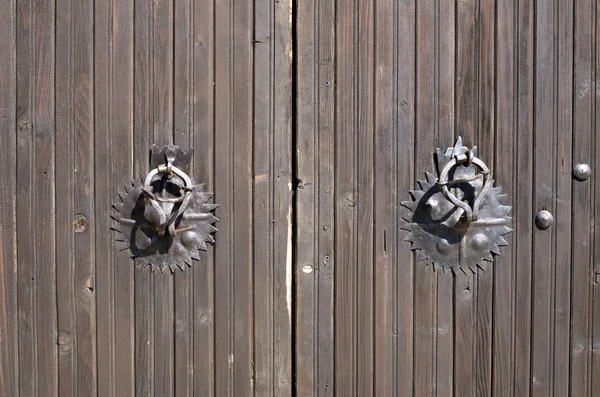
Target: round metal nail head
(582, 171)
(544, 219)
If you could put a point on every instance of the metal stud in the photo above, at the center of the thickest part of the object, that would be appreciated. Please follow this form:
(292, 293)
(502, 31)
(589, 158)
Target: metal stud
(582, 172)
(544, 219)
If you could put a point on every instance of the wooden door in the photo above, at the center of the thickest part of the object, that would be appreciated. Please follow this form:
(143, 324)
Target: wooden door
(86, 87)
(311, 121)
(380, 85)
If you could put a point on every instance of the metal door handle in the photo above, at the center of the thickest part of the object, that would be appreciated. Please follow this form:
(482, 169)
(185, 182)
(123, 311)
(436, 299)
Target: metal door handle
(465, 159)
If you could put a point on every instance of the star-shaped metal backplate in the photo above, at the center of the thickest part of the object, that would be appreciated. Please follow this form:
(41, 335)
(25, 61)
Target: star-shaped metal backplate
(439, 231)
(136, 224)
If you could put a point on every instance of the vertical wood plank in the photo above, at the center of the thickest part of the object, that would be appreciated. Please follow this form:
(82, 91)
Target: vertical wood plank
(325, 165)
(143, 137)
(308, 196)
(83, 197)
(564, 178)
(346, 375)
(182, 121)
(486, 139)
(44, 197)
(282, 200)
(406, 104)
(163, 121)
(241, 156)
(365, 174)
(9, 359)
(104, 199)
(263, 211)
(504, 172)
(385, 198)
(203, 283)
(467, 123)
(445, 34)
(224, 326)
(272, 123)
(523, 210)
(425, 279)
(583, 131)
(67, 370)
(25, 273)
(315, 106)
(543, 190)
(122, 156)
(596, 262)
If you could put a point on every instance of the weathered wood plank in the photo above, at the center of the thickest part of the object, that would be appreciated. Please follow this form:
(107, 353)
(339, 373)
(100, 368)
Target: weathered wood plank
(523, 210)
(67, 368)
(325, 263)
(346, 200)
(182, 125)
(272, 209)
(543, 191)
(143, 138)
(504, 174)
(28, 377)
(223, 300)
(595, 376)
(445, 33)
(44, 196)
(385, 199)
(406, 126)
(104, 197)
(163, 122)
(9, 359)
(583, 132)
(282, 200)
(83, 197)
(241, 191)
(264, 177)
(562, 235)
(365, 173)
(467, 126)
(425, 279)
(122, 157)
(203, 283)
(486, 138)
(308, 196)
(315, 78)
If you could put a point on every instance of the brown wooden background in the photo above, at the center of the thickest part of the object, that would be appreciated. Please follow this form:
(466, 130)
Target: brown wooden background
(381, 84)
(85, 88)
(341, 103)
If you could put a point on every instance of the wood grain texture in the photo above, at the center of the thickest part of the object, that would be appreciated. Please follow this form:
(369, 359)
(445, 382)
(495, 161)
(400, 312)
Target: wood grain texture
(504, 76)
(315, 167)
(203, 127)
(346, 202)
(583, 135)
(311, 121)
(562, 235)
(543, 182)
(504, 170)
(9, 357)
(85, 89)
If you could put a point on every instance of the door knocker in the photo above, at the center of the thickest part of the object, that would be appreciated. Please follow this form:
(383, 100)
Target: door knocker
(164, 219)
(457, 221)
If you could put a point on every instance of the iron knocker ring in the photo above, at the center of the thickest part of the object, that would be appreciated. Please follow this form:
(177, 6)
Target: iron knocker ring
(466, 160)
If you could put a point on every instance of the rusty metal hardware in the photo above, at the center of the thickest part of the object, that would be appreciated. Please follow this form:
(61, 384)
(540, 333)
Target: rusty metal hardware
(164, 219)
(457, 221)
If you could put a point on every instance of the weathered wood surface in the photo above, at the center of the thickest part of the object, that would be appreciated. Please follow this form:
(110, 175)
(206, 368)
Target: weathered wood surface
(342, 104)
(85, 89)
(380, 85)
